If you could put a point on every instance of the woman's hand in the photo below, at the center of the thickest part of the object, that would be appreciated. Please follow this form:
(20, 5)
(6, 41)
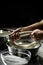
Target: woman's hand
(38, 34)
(15, 34)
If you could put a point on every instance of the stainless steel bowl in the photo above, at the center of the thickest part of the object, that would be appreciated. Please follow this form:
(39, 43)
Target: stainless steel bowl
(16, 46)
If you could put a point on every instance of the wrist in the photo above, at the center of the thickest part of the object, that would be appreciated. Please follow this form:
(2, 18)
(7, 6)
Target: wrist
(41, 22)
(42, 32)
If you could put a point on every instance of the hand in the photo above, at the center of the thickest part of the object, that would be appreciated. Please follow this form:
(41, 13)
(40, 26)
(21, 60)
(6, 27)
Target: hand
(15, 34)
(38, 34)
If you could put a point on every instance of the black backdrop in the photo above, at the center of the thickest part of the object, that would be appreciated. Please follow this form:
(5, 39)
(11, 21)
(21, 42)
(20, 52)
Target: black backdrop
(18, 15)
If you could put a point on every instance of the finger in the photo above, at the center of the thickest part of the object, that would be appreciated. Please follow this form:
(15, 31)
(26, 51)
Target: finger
(17, 35)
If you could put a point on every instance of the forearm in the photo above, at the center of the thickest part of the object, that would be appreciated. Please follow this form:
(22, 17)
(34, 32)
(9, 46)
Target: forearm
(33, 26)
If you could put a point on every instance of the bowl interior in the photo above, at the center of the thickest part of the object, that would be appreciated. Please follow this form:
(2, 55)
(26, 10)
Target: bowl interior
(18, 57)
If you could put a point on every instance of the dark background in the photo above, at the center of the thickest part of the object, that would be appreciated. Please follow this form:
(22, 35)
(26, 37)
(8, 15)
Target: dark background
(18, 15)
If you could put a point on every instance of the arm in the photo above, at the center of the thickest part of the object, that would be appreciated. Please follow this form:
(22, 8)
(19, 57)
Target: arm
(33, 26)
(15, 35)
